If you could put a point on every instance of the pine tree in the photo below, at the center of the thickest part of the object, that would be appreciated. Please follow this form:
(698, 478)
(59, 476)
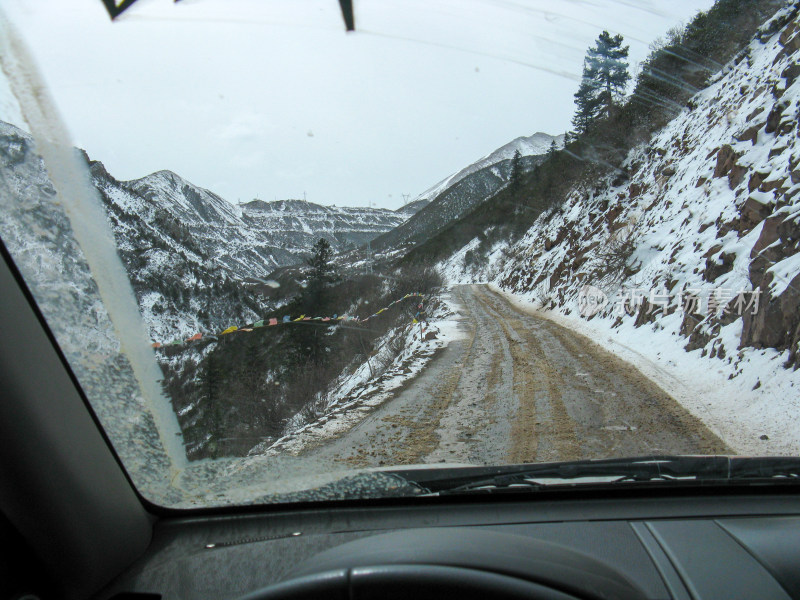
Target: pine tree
(323, 272)
(321, 261)
(516, 171)
(605, 76)
(553, 150)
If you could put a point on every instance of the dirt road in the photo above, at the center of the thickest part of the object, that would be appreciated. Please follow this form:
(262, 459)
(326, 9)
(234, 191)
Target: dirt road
(520, 388)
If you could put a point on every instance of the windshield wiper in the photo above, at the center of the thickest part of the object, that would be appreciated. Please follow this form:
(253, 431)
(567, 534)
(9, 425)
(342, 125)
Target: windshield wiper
(532, 477)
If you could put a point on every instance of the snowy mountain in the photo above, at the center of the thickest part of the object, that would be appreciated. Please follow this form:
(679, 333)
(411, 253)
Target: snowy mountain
(295, 225)
(252, 239)
(534, 145)
(456, 195)
(691, 262)
(187, 250)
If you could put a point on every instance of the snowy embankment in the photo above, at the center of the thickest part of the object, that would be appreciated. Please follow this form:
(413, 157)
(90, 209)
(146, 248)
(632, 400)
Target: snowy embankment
(358, 392)
(687, 264)
(740, 415)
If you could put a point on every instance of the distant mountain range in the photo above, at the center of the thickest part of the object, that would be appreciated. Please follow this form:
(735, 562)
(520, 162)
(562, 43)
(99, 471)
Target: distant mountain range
(190, 254)
(250, 239)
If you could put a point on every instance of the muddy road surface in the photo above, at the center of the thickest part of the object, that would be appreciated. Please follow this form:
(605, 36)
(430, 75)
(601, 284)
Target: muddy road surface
(520, 388)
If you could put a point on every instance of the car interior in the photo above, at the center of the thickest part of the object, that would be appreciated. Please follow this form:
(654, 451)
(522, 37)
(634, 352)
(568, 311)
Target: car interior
(74, 525)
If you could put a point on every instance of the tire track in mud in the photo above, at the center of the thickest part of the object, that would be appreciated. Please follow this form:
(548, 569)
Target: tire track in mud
(542, 430)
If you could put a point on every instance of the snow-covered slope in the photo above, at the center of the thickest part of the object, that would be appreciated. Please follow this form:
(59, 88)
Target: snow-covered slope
(458, 194)
(706, 226)
(536, 144)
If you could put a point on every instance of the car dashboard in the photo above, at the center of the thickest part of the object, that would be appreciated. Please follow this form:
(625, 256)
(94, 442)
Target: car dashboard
(696, 546)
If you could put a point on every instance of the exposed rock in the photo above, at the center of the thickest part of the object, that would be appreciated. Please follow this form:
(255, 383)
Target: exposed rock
(777, 151)
(756, 111)
(770, 184)
(769, 234)
(717, 266)
(727, 165)
(787, 34)
(698, 336)
(792, 44)
(647, 313)
(668, 171)
(750, 134)
(755, 180)
(776, 323)
(753, 211)
(791, 73)
(774, 117)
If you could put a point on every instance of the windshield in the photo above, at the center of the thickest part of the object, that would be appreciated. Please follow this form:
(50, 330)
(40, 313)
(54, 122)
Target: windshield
(301, 251)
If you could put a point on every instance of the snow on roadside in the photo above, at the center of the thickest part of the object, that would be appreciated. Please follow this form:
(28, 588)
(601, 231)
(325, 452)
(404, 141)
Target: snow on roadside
(702, 384)
(357, 394)
(707, 216)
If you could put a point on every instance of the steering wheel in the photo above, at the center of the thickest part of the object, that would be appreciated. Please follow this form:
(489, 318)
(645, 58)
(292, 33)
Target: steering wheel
(452, 562)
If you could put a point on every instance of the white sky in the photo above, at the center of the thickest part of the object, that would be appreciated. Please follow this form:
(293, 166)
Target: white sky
(271, 99)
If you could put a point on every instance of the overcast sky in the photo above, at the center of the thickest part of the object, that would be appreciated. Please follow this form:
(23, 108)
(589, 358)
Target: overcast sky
(272, 99)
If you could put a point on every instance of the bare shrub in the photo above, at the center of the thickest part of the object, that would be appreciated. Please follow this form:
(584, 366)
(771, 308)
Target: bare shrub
(423, 280)
(543, 296)
(614, 256)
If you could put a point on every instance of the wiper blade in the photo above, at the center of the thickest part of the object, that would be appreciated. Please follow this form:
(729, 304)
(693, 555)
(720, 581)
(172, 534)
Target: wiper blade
(532, 477)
